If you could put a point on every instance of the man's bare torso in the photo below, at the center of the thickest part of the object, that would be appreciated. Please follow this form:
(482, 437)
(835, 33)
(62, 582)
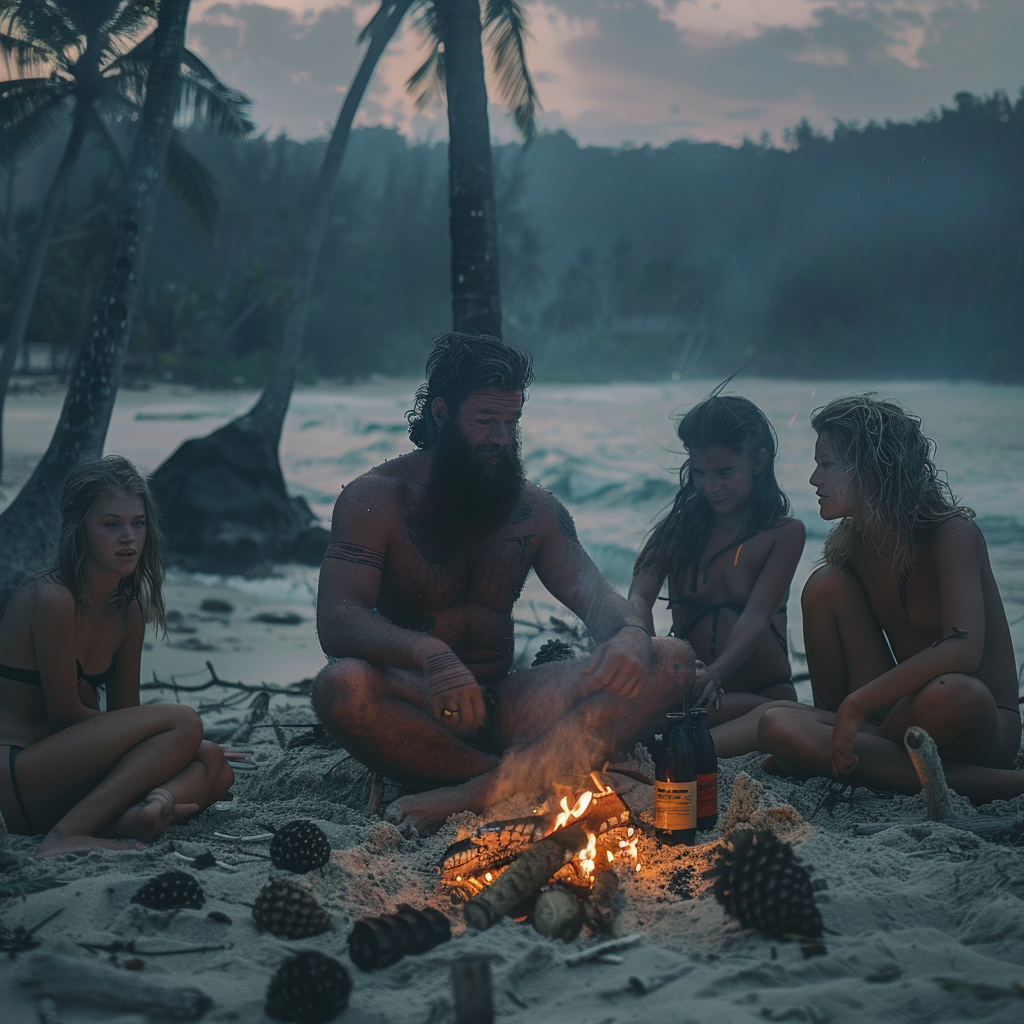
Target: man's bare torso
(463, 594)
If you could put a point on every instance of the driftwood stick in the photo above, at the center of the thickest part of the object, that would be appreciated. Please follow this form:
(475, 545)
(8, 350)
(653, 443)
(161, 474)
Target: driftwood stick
(77, 981)
(257, 712)
(599, 910)
(604, 949)
(521, 879)
(924, 755)
(474, 996)
(982, 825)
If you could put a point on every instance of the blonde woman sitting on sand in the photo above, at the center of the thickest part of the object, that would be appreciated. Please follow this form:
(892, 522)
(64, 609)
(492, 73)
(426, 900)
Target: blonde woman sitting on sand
(81, 777)
(903, 623)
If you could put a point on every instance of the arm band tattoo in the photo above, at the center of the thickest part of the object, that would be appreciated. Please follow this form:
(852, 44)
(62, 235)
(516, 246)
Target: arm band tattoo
(445, 672)
(957, 634)
(356, 554)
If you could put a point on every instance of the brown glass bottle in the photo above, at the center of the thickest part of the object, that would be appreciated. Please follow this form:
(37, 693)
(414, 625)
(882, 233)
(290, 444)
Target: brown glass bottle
(707, 769)
(675, 786)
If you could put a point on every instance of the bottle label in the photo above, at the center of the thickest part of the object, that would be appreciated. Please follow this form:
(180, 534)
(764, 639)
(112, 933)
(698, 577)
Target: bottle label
(707, 795)
(675, 805)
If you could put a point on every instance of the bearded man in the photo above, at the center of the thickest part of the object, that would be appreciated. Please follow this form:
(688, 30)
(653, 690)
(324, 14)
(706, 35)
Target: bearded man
(428, 555)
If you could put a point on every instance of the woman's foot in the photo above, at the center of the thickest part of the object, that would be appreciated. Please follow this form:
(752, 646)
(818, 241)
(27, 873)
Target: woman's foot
(55, 843)
(148, 819)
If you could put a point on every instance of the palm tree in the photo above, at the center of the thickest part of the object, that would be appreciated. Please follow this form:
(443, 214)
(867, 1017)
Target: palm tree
(84, 58)
(224, 497)
(455, 66)
(30, 526)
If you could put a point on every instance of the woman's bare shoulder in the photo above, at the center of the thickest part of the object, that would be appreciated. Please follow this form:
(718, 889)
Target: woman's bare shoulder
(958, 533)
(49, 597)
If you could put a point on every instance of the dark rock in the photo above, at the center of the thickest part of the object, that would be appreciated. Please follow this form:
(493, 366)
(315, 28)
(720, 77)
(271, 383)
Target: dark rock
(279, 618)
(225, 508)
(215, 606)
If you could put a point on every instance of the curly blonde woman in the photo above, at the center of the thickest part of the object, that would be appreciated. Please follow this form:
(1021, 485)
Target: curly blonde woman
(80, 777)
(903, 623)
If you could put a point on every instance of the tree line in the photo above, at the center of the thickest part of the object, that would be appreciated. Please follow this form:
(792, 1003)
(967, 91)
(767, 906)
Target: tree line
(885, 249)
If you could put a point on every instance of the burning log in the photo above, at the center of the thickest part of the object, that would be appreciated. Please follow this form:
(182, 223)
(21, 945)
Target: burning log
(520, 880)
(599, 910)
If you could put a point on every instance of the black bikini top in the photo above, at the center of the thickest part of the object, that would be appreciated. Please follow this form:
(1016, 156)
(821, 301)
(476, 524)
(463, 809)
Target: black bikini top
(33, 677)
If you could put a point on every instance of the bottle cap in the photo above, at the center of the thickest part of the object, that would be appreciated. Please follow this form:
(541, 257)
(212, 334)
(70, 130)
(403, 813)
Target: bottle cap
(676, 714)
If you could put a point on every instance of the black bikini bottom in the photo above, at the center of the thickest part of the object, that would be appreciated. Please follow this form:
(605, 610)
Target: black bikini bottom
(16, 789)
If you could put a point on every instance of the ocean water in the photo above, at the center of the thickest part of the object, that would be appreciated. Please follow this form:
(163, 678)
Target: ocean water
(608, 451)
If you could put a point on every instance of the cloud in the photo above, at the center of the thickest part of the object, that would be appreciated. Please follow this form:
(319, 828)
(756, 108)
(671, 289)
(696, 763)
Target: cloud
(639, 70)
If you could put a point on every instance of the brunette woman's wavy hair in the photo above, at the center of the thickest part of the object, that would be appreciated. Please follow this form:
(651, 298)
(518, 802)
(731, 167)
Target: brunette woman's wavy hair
(890, 463)
(85, 485)
(676, 543)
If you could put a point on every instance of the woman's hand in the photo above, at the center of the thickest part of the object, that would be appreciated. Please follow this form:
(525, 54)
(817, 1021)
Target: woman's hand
(708, 687)
(849, 719)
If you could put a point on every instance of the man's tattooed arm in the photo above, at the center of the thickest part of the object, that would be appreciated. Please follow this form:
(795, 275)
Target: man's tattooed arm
(566, 525)
(357, 554)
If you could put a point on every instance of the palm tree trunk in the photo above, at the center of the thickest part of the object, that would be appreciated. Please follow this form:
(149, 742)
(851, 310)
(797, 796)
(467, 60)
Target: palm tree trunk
(473, 224)
(238, 465)
(269, 411)
(37, 255)
(29, 528)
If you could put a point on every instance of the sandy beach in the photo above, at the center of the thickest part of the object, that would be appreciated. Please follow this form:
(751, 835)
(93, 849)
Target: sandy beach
(924, 921)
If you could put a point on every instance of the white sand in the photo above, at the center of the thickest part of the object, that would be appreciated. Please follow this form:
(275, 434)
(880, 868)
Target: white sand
(915, 904)
(906, 908)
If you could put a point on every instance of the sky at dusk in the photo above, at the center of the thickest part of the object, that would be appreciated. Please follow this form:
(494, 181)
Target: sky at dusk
(638, 71)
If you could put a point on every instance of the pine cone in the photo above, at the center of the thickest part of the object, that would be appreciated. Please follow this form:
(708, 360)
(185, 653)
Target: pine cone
(308, 988)
(760, 882)
(169, 890)
(300, 846)
(553, 650)
(288, 911)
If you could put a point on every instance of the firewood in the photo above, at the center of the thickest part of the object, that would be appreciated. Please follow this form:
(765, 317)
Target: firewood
(557, 914)
(521, 879)
(924, 755)
(599, 910)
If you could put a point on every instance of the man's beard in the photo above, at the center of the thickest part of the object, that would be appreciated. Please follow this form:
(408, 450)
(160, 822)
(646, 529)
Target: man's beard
(468, 495)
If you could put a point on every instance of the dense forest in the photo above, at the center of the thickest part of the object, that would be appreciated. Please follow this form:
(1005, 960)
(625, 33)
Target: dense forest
(890, 249)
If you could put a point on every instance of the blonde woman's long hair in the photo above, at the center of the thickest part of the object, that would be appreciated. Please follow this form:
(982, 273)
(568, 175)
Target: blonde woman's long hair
(890, 462)
(85, 485)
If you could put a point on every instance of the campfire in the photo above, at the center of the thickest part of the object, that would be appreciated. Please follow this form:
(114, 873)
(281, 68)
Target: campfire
(572, 845)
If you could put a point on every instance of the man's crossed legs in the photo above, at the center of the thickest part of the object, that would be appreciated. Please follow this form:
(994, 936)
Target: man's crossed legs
(550, 722)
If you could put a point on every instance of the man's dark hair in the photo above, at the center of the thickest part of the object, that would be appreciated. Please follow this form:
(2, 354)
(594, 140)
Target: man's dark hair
(458, 365)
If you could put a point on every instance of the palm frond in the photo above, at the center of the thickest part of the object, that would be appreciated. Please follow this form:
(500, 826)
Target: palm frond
(24, 54)
(206, 102)
(427, 82)
(55, 26)
(192, 185)
(131, 18)
(29, 109)
(217, 108)
(506, 35)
